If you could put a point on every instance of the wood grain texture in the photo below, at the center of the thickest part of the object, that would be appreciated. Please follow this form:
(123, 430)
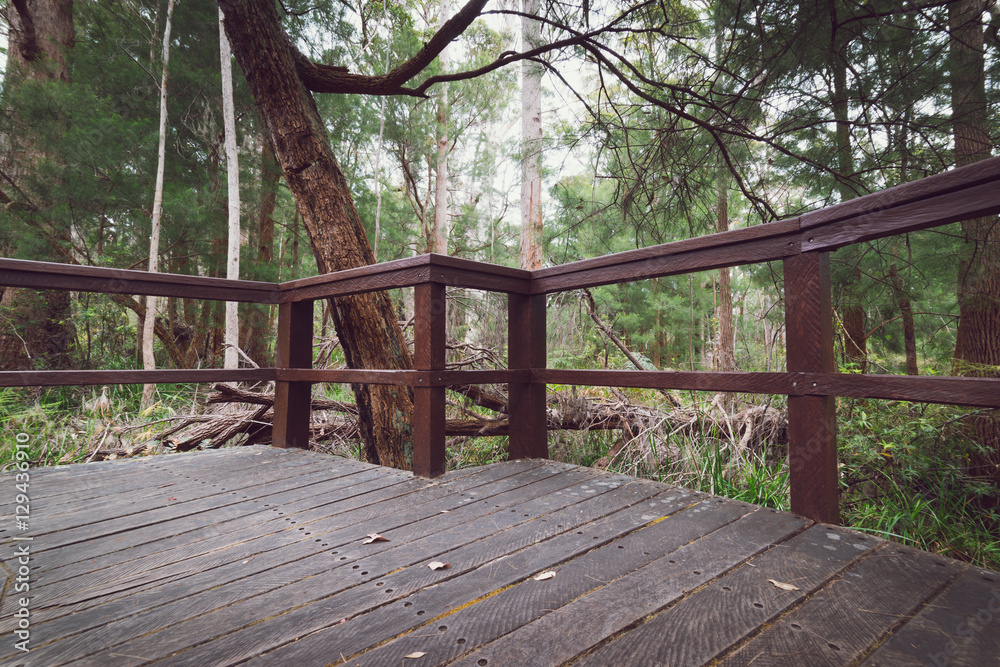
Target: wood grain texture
(526, 350)
(749, 245)
(842, 621)
(985, 171)
(812, 423)
(531, 600)
(345, 283)
(51, 275)
(595, 617)
(424, 610)
(429, 334)
(958, 628)
(966, 204)
(413, 537)
(357, 581)
(981, 392)
(438, 378)
(701, 627)
(209, 568)
(254, 556)
(292, 406)
(760, 383)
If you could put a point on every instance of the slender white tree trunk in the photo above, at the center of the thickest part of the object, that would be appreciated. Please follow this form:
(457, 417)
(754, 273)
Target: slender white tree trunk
(231, 359)
(441, 213)
(148, 360)
(531, 142)
(378, 181)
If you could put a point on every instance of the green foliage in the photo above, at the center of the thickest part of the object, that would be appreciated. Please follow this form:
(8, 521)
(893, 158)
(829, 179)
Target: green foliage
(904, 476)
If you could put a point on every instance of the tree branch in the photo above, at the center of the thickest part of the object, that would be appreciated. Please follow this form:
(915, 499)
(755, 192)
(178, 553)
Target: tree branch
(328, 79)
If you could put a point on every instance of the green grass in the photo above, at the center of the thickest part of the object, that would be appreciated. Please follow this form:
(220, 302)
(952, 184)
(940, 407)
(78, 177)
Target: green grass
(904, 477)
(63, 425)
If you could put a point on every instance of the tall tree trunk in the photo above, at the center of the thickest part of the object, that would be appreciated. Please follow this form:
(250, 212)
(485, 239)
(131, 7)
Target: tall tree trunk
(906, 313)
(366, 324)
(977, 348)
(231, 359)
(35, 327)
(441, 213)
(726, 352)
(148, 359)
(531, 142)
(855, 331)
(256, 321)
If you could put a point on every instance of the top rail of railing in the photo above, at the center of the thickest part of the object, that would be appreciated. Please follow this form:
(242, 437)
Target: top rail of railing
(960, 194)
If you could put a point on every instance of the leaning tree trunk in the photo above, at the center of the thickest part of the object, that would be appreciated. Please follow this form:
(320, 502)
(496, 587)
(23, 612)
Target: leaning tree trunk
(35, 327)
(366, 324)
(977, 348)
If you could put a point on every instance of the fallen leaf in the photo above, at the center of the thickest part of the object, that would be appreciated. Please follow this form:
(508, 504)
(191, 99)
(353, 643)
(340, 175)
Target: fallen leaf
(783, 586)
(544, 575)
(374, 537)
(438, 565)
(172, 498)
(416, 654)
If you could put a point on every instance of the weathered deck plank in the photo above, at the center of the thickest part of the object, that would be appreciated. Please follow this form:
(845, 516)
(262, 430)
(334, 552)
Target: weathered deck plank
(255, 556)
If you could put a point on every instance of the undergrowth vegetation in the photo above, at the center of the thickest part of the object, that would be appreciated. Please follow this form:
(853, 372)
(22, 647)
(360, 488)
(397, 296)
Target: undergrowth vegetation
(903, 467)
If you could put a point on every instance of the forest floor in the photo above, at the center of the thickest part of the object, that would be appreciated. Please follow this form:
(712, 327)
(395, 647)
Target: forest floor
(903, 466)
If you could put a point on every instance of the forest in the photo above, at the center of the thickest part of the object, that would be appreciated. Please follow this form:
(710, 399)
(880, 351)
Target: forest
(274, 140)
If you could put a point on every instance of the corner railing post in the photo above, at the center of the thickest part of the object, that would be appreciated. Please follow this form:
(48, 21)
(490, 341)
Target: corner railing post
(292, 400)
(812, 421)
(430, 313)
(526, 400)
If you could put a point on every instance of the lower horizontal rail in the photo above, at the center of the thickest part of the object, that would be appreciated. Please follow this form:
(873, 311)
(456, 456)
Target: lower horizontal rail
(973, 392)
(401, 378)
(167, 376)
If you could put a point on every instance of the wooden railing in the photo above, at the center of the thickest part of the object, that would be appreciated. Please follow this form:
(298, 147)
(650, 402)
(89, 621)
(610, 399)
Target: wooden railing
(803, 244)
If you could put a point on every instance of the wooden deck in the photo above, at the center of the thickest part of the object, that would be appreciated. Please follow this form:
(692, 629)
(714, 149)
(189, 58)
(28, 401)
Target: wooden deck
(257, 556)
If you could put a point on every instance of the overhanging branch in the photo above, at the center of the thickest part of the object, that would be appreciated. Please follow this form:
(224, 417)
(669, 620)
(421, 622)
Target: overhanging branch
(328, 79)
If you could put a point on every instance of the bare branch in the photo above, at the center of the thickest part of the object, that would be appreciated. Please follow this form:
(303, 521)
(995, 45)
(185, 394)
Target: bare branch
(328, 79)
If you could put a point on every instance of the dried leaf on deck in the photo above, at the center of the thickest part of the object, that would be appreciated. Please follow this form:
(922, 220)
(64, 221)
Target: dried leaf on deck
(438, 565)
(783, 586)
(374, 537)
(416, 654)
(544, 575)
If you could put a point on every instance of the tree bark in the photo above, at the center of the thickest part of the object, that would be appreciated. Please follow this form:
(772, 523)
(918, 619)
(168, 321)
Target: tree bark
(441, 212)
(148, 359)
(531, 142)
(232, 359)
(366, 324)
(35, 327)
(855, 331)
(726, 357)
(906, 313)
(257, 318)
(977, 347)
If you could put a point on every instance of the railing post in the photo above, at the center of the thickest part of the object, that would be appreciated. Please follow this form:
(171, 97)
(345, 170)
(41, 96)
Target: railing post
(430, 313)
(292, 400)
(812, 421)
(526, 400)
